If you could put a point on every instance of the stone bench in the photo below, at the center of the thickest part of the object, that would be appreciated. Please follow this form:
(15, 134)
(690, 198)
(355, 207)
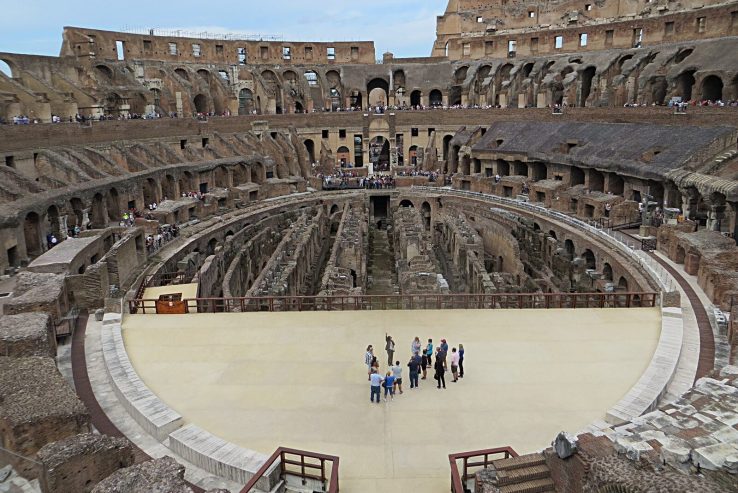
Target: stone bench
(222, 458)
(644, 396)
(143, 405)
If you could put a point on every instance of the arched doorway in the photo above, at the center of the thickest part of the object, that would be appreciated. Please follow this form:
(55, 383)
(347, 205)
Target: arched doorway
(589, 258)
(416, 98)
(413, 155)
(569, 249)
(201, 104)
(712, 88)
(98, 215)
(623, 284)
(168, 188)
(406, 203)
(113, 204)
(343, 155)
(607, 272)
(77, 213)
(446, 142)
(685, 82)
(32, 234)
(379, 153)
(378, 90)
(355, 100)
(310, 146)
(435, 98)
(425, 210)
(587, 76)
(52, 215)
(150, 192)
(245, 102)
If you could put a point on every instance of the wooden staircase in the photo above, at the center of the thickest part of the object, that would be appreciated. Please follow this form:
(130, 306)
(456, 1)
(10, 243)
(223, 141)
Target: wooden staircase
(523, 474)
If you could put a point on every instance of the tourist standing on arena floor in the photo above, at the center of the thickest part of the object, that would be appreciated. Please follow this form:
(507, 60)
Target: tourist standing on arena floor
(389, 386)
(461, 361)
(390, 348)
(415, 348)
(368, 357)
(397, 373)
(429, 352)
(455, 365)
(414, 365)
(376, 383)
(441, 353)
(440, 372)
(375, 364)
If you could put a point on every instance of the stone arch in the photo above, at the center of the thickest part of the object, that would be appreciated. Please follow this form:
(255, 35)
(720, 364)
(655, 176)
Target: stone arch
(201, 104)
(290, 76)
(245, 102)
(416, 98)
(334, 209)
(169, 187)
(104, 72)
(607, 273)
(435, 98)
(712, 88)
(32, 234)
(587, 76)
(659, 87)
(622, 284)
(552, 234)
(407, 203)
(590, 259)
(685, 83)
(258, 173)
(204, 74)
(682, 55)
(398, 78)
(425, 211)
(570, 249)
(413, 154)
(182, 73)
(310, 147)
(150, 192)
(113, 205)
(378, 91)
(460, 74)
(77, 207)
(446, 143)
(379, 153)
(212, 244)
(52, 216)
(527, 69)
(220, 177)
(240, 174)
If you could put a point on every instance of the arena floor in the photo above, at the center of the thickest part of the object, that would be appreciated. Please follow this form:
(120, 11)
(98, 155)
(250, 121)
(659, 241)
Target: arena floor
(263, 380)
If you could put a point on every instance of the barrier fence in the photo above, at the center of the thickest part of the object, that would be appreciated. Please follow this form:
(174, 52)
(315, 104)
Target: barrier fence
(475, 459)
(396, 302)
(302, 464)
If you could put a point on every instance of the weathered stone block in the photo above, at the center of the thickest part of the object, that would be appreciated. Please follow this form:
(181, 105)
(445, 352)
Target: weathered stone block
(163, 475)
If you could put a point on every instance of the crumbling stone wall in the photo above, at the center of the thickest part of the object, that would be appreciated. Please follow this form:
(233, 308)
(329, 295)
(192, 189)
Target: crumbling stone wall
(163, 474)
(345, 271)
(27, 334)
(78, 463)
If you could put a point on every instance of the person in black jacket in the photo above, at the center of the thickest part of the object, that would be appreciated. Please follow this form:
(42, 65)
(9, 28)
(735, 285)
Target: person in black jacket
(440, 372)
(414, 366)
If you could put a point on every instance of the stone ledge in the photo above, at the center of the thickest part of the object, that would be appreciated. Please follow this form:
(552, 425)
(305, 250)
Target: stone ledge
(143, 405)
(221, 458)
(644, 396)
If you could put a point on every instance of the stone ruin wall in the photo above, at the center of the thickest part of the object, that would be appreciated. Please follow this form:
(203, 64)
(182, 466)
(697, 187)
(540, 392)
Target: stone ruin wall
(345, 272)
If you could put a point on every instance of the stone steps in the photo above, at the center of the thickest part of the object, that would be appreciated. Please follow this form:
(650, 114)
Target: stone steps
(521, 474)
(537, 486)
(529, 460)
(524, 474)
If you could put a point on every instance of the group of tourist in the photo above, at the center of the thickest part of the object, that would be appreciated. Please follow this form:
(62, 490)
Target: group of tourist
(421, 359)
(164, 234)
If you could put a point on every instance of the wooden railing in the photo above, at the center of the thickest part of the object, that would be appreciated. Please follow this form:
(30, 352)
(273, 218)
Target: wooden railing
(477, 458)
(408, 302)
(159, 279)
(302, 464)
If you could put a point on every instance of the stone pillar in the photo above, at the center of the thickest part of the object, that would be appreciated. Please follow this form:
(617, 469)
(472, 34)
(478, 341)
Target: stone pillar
(63, 228)
(734, 219)
(690, 197)
(716, 214)
(85, 219)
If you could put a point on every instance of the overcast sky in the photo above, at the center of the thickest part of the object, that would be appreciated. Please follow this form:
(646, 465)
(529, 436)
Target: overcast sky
(404, 27)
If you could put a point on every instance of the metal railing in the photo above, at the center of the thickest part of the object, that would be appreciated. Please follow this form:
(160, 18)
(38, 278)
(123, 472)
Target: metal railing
(302, 464)
(623, 243)
(472, 460)
(406, 302)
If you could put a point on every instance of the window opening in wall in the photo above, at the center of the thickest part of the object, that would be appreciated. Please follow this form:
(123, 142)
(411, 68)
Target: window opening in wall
(308, 53)
(270, 174)
(668, 28)
(414, 132)
(359, 150)
(241, 56)
(342, 133)
(219, 50)
(286, 53)
(311, 77)
(609, 34)
(325, 134)
(264, 52)
(430, 131)
(172, 48)
(196, 50)
(205, 142)
(534, 45)
(331, 53)
(701, 24)
(512, 47)
(10, 161)
(354, 52)
(531, 14)
(445, 49)
(583, 39)
(480, 19)
(120, 49)
(224, 75)
(465, 49)
(147, 46)
(637, 37)
(558, 42)
(588, 7)
(489, 47)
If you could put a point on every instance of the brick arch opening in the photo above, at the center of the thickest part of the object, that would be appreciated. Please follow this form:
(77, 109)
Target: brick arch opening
(712, 88)
(32, 234)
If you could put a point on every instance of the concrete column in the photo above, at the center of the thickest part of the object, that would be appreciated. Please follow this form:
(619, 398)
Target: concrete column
(85, 219)
(62, 228)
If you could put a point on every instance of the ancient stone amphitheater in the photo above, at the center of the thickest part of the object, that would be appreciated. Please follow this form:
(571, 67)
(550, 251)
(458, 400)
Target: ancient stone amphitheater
(201, 236)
